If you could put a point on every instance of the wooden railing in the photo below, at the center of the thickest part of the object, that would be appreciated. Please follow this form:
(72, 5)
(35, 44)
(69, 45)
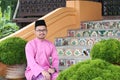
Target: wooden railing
(62, 19)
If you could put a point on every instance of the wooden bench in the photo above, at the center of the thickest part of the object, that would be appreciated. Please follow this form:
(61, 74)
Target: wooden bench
(30, 10)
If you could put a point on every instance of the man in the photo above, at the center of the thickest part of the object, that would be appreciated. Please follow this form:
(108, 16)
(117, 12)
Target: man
(38, 53)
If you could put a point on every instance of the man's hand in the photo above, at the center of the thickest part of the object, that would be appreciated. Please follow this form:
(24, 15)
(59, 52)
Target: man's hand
(46, 75)
(51, 70)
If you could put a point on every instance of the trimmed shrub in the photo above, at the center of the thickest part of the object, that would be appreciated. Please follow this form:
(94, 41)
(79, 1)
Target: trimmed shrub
(12, 51)
(91, 70)
(108, 50)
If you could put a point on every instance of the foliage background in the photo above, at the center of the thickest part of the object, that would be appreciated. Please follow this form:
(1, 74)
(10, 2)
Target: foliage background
(5, 3)
(7, 8)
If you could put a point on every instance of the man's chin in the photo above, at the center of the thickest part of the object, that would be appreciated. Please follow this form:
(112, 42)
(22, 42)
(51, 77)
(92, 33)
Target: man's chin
(41, 37)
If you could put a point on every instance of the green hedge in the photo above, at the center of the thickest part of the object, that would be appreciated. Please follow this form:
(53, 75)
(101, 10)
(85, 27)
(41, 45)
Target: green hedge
(91, 70)
(12, 51)
(108, 50)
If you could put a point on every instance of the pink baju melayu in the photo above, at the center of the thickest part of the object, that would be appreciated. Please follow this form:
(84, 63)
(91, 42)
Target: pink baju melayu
(38, 53)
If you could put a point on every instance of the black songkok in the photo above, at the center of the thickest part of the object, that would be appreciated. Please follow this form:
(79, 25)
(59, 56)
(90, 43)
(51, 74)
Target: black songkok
(40, 23)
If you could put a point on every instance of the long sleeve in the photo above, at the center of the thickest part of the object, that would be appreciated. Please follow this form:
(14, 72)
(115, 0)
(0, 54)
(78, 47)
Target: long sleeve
(55, 59)
(30, 55)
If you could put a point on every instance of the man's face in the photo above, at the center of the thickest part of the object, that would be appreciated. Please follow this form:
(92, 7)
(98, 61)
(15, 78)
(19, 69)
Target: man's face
(41, 32)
